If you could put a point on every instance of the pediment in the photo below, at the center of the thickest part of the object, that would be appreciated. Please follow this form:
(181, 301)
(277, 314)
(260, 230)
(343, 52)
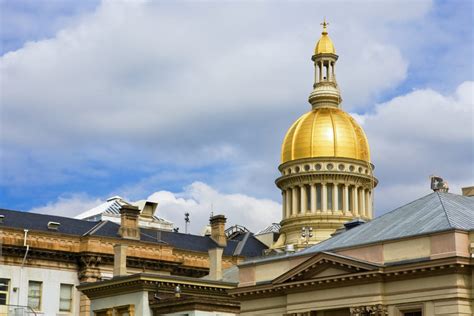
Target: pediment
(325, 265)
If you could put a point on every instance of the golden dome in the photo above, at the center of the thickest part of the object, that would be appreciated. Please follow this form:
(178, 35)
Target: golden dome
(325, 132)
(324, 45)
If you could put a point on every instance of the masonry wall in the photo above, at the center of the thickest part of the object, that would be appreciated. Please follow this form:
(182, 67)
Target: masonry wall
(51, 280)
(440, 295)
(139, 300)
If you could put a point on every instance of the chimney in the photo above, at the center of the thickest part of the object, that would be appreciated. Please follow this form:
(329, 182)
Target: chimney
(215, 263)
(120, 260)
(468, 191)
(218, 230)
(129, 222)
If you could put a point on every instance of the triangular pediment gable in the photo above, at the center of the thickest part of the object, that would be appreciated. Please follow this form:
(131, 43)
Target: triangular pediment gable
(324, 265)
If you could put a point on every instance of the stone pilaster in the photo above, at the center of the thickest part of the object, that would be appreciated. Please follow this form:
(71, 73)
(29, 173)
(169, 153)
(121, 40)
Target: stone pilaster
(88, 272)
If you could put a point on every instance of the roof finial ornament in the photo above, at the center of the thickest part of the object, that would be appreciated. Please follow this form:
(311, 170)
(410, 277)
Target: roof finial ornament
(325, 27)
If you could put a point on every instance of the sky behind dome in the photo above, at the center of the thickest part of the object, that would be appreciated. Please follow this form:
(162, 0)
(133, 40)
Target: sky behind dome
(187, 103)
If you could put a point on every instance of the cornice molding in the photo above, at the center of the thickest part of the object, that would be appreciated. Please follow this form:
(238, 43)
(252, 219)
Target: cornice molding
(443, 266)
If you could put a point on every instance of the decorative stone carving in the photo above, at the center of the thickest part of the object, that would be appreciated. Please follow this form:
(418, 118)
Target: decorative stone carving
(89, 268)
(369, 310)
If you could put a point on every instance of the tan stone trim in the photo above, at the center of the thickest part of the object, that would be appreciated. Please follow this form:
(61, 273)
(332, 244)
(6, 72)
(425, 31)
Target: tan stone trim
(317, 261)
(399, 239)
(362, 298)
(438, 267)
(142, 282)
(259, 309)
(186, 303)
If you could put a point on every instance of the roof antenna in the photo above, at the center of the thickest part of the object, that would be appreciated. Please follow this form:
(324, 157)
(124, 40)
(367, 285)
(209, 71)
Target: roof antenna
(186, 222)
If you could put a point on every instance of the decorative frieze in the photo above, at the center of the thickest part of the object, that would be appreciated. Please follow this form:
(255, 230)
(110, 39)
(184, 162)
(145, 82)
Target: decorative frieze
(369, 310)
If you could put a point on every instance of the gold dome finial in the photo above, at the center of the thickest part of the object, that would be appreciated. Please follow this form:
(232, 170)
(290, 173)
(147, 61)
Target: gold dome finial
(324, 45)
(325, 29)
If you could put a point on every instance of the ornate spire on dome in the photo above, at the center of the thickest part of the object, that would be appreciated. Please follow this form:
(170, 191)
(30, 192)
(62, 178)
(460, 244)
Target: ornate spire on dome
(324, 45)
(326, 92)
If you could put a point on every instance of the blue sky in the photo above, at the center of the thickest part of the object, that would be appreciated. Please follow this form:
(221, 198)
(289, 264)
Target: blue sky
(188, 102)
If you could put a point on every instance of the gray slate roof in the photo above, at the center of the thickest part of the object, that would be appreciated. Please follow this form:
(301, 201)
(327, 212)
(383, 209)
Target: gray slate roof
(272, 228)
(249, 247)
(434, 212)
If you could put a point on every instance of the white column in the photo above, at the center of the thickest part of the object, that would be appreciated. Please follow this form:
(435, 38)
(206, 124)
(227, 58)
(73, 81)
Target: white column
(288, 202)
(316, 73)
(367, 204)
(324, 198)
(329, 71)
(304, 200)
(345, 200)
(283, 204)
(355, 200)
(369, 199)
(313, 198)
(363, 210)
(335, 198)
(294, 200)
(334, 71)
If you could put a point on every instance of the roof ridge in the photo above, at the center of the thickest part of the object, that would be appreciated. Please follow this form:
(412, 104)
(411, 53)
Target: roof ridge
(240, 246)
(383, 215)
(371, 222)
(444, 209)
(154, 237)
(50, 215)
(95, 228)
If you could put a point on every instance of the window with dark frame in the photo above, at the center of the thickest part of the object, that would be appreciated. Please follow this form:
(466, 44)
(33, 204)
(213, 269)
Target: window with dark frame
(4, 283)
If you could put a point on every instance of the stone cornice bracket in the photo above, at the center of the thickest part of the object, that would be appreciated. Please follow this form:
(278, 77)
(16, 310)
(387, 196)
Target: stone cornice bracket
(89, 261)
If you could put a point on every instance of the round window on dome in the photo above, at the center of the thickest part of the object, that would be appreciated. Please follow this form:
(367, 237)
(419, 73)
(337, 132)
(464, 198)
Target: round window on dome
(330, 166)
(289, 171)
(297, 169)
(352, 168)
(306, 167)
(318, 166)
(360, 169)
(341, 167)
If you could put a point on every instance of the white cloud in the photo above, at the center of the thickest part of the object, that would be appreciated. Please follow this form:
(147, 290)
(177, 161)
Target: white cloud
(140, 85)
(199, 199)
(68, 205)
(144, 83)
(412, 136)
(419, 134)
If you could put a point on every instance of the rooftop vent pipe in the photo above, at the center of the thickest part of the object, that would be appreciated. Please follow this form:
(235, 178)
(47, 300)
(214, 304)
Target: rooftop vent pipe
(354, 223)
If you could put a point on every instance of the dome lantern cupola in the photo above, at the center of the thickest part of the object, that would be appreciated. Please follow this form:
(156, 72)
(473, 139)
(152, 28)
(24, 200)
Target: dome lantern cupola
(325, 89)
(326, 174)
